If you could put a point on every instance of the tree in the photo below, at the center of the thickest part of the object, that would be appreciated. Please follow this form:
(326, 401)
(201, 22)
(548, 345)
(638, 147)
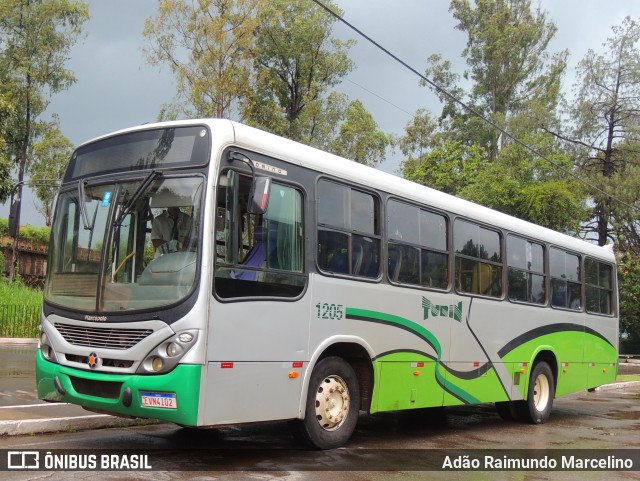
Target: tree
(359, 138)
(7, 108)
(297, 62)
(510, 71)
(50, 157)
(629, 286)
(208, 45)
(526, 186)
(35, 39)
(606, 125)
(515, 84)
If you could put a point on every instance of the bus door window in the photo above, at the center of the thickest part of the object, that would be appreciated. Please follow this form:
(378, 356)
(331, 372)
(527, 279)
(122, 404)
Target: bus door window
(264, 250)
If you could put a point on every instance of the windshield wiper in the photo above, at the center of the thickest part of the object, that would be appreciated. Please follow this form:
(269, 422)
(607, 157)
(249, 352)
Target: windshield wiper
(83, 207)
(136, 195)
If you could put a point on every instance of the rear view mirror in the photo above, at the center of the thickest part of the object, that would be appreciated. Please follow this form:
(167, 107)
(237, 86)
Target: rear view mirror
(260, 188)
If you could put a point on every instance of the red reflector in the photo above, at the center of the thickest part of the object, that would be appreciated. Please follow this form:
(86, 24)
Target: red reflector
(420, 364)
(226, 365)
(476, 364)
(296, 365)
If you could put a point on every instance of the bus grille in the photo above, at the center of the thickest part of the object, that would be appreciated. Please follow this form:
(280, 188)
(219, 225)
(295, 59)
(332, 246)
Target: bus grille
(105, 389)
(101, 336)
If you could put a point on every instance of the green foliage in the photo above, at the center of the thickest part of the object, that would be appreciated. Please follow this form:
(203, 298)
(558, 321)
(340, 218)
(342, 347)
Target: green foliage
(50, 156)
(38, 234)
(360, 139)
(604, 132)
(36, 37)
(451, 167)
(297, 62)
(515, 83)
(274, 63)
(29, 232)
(629, 291)
(510, 70)
(20, 308)
(219, 36)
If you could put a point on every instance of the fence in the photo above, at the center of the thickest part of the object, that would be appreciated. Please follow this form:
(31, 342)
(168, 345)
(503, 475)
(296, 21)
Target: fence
(19, 320)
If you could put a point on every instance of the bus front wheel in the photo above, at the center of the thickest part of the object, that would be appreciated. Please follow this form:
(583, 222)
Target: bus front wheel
(537, 408)
(333, 402)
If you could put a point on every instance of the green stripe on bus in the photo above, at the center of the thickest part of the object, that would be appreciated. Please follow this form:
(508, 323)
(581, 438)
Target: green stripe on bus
(420, 331)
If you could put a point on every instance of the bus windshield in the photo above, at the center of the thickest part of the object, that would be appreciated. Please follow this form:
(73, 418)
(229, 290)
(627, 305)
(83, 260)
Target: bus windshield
(125, 245)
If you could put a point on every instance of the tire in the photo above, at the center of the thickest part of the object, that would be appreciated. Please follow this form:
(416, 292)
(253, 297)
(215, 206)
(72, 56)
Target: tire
(537, 407)
(333, 402)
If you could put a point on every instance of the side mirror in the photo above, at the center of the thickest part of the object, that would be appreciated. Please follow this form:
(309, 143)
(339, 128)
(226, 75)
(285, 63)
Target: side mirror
(259, 196)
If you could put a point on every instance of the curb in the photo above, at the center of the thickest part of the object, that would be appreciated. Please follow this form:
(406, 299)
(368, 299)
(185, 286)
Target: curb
(26, 341)
(619, 386)
(67, 424)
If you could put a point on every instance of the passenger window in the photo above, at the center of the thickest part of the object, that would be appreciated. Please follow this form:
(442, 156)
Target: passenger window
(348, 230)
(417, 249)
(478, 261)
(599, 287)
(566, 284)
(525, 279)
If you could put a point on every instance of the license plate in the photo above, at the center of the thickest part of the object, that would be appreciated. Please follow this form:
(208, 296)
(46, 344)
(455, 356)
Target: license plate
(165, 400)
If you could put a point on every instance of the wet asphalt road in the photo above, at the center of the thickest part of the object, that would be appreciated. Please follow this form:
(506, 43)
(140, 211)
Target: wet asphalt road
(383, 447)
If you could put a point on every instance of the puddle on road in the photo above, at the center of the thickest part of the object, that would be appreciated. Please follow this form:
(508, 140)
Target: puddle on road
(624, 415)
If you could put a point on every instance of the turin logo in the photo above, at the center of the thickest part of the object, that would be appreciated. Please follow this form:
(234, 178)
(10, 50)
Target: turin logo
(452, 311)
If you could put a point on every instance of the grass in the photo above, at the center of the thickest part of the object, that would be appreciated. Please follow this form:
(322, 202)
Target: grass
(19, 310)
(628, 377)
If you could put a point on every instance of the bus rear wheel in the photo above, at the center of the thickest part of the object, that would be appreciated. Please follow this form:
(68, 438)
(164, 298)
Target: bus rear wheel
(537, 408)
(333, 402)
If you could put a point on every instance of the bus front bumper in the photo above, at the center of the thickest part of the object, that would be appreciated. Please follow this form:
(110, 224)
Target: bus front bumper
(170, 397)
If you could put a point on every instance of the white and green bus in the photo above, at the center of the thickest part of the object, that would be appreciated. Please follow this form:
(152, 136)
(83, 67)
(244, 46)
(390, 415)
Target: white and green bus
(303, 286)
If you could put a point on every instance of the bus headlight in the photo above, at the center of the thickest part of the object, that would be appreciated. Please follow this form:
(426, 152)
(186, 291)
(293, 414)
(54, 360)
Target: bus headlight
(157, 364)
(45, 346)
(173, 349)
(168, 353)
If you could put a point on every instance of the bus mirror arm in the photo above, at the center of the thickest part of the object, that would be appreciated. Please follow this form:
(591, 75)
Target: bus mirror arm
(260, 185)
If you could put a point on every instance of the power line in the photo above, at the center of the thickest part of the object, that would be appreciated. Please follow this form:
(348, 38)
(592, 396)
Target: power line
(380, 97)
(472, 110)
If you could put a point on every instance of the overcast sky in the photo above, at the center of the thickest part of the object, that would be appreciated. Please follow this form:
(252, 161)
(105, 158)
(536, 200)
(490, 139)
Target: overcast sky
(115, 88)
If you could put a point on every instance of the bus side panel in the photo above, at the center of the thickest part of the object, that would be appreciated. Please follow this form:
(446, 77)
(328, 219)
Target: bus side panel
(474, 382)
(601, 349)
(410, 343)
(407, 381)
(521, 332)
(252, 347)
(241, 392)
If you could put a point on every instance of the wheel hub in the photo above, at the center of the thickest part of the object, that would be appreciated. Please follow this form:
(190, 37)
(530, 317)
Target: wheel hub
(541, 393)
(332, 403)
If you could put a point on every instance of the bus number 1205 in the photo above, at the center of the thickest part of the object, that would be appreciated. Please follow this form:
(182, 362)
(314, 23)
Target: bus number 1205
(329, 311)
